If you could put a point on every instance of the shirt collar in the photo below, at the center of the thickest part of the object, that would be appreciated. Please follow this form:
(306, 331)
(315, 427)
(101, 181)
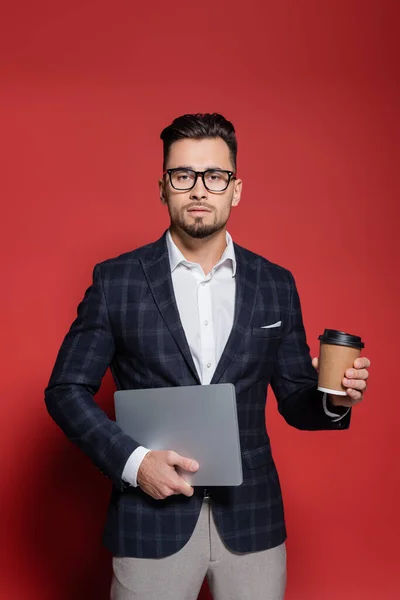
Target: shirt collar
(176, 257)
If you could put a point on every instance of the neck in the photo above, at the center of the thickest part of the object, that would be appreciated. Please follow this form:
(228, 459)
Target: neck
(204, 251)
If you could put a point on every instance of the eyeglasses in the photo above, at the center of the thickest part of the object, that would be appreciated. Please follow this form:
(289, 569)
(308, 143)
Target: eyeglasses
(214, 180)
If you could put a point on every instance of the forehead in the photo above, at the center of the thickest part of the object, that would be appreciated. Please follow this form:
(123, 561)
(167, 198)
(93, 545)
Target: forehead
(199, 154)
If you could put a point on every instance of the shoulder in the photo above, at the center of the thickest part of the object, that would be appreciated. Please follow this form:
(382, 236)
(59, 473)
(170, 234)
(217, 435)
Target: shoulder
(268, 269)
(129, 260)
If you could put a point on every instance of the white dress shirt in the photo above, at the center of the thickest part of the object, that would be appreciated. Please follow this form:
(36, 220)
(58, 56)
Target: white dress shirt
(206, 305)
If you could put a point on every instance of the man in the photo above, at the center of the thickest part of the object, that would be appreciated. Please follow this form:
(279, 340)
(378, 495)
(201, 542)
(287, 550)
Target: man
(194, 308)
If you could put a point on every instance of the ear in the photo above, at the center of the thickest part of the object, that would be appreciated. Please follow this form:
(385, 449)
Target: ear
(161, 185)
(237, 192)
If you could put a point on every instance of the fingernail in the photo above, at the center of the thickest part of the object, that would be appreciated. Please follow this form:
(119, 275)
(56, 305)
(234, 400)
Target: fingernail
(194, 466)
(350, 373)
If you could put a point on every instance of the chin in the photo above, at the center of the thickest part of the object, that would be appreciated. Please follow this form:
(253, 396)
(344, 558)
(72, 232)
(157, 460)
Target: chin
(200, 231)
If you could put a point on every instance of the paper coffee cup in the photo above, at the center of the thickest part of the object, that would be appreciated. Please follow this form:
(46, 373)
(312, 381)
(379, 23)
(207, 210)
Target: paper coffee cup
(338, 351)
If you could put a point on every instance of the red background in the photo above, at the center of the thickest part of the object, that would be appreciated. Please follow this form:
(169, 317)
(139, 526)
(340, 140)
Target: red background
(312, 88)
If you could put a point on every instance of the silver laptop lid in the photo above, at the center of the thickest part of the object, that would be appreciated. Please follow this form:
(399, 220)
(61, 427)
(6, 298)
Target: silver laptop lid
(198, 421)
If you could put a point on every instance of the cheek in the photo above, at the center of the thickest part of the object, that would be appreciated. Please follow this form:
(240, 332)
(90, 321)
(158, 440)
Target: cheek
(176, 206)
(225, 207)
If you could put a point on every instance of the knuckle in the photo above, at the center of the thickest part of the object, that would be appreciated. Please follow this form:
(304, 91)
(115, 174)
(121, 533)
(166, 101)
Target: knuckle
(165, 491)
(170, 456)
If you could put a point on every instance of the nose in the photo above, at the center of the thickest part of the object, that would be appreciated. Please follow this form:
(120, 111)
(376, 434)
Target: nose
(199, 191)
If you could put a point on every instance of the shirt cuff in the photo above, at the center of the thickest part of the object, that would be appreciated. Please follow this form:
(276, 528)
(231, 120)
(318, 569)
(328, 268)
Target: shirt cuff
(335, 417)
(129, 474)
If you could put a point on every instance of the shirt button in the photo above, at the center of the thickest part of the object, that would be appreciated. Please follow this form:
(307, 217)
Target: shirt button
(205, 322)
(208, 365)
(203, 283)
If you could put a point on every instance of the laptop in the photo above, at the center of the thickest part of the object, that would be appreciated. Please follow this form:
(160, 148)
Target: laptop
(198, 421)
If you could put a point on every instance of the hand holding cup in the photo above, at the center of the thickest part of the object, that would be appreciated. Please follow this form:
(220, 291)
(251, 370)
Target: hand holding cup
(342, 373)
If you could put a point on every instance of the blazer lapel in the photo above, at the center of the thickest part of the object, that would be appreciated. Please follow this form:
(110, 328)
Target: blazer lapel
(157, 270)
(247, 275)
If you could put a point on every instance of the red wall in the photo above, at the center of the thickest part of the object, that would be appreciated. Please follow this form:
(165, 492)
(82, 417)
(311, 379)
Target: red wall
(86, 87)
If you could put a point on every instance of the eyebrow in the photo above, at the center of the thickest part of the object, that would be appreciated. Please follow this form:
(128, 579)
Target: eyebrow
(209, 168)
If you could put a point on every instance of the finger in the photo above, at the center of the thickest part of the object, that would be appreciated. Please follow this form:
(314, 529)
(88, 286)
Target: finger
(355, 395)
(348, 403)
(357, 374)
(158, 492)
(362, 363)
(184, 488)
(314, 363)
(188, 464)
(353, 398)
(174, 484)
(356, 384)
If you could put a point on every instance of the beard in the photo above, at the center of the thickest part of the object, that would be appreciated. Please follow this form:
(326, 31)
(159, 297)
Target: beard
(197, 228)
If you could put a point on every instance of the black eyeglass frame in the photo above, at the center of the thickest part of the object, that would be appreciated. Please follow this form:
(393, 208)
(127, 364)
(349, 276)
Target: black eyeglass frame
(231, 175)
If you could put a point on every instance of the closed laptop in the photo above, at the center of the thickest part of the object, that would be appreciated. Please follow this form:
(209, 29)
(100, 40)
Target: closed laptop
(198, 422)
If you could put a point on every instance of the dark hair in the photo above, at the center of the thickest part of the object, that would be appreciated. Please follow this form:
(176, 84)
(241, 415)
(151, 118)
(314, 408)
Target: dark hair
(199, 126)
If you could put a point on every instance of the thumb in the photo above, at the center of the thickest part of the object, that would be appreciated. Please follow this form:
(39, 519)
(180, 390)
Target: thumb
(315, 363)
(188, 464)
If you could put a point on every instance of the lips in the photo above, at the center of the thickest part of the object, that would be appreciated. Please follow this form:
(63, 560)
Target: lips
(198, 210)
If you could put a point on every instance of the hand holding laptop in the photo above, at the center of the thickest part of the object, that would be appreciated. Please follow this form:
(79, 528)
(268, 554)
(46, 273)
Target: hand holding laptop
(197, 422)
(158, 477)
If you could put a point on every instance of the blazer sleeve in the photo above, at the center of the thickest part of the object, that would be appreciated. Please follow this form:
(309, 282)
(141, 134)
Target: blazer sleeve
(84, 356)
(294, 379)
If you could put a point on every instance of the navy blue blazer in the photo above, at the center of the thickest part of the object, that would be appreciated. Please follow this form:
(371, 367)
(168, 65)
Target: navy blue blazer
(129, 321)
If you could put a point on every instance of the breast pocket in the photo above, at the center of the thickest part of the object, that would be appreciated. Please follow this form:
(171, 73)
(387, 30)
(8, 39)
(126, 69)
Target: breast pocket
(267, 332)
(261, 345)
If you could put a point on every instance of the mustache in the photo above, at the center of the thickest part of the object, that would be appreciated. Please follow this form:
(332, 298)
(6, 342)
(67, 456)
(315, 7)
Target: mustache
(197, 205)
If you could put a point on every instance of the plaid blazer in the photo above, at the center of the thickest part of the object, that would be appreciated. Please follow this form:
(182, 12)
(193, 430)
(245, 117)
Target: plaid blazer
(129, 320)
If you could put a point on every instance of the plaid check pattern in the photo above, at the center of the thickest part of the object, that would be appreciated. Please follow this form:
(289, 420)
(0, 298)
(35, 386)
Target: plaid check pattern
(129, 320)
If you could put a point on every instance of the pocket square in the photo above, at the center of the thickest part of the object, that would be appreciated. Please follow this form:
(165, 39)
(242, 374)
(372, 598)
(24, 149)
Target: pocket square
(277, 324)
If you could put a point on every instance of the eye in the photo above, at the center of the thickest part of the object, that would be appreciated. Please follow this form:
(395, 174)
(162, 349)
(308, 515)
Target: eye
(216, 176)
(182, 176)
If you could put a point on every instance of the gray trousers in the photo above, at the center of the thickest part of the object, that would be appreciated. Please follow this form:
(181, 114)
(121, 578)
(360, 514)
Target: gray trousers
(231, 576)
